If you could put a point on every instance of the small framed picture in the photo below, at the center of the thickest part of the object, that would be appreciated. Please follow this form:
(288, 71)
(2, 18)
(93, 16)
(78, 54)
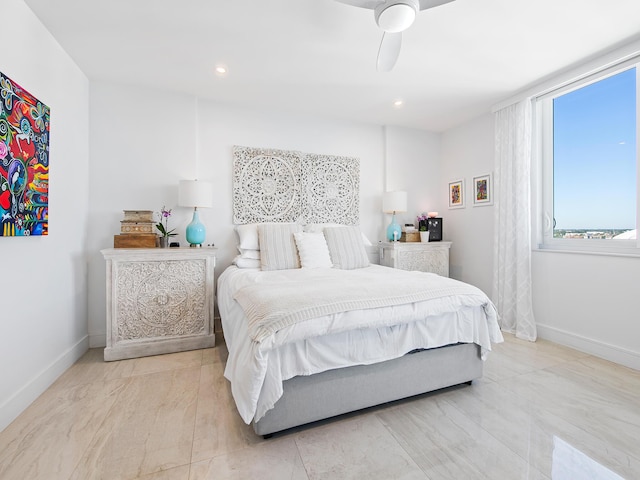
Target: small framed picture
(456, 194)
(482, 190)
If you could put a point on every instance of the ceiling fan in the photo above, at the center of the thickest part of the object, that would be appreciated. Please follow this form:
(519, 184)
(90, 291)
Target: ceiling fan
(393, 17)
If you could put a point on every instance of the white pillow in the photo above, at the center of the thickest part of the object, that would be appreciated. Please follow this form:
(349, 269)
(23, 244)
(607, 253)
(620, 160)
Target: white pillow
(319, 227)
(246, 262)
(346, 248)
(248, 235)
(277, 247)
(313, 250)
(247, 253)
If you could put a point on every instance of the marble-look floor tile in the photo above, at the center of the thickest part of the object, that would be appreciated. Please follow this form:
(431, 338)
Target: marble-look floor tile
(91, 367)
(48, 439)
(569, 463)
(169, 361)
(355, 448)
(218, 354)
(177, 473)
(530, 431)
(273, 460)
(499, 366)
(219, 427)
(447, 444)
(600, 412)
(602, 375)
(173, 417)
(149, 429)
(539, 354)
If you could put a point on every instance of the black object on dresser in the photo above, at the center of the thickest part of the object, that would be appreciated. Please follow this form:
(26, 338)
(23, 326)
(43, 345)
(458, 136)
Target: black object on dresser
(434, 226)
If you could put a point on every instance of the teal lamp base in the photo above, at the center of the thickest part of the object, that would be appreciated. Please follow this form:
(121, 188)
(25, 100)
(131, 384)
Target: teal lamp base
(196, 233)
(394, 231)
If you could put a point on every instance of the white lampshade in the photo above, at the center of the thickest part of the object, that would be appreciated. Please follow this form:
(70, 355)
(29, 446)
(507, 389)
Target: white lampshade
(195, 193)
(394, 202)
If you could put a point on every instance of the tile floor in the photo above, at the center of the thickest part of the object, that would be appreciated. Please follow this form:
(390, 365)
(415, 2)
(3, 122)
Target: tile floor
(540, 411)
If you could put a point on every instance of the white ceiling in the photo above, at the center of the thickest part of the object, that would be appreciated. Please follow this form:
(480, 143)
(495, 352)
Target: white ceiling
(318, 56)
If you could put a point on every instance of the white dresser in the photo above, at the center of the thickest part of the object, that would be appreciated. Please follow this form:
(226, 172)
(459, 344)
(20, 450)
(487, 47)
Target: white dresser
(159, 300)
(426, 257)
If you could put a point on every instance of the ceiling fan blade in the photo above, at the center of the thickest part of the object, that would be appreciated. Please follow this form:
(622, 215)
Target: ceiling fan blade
(370, 4)
(389, 51)
(425, 4)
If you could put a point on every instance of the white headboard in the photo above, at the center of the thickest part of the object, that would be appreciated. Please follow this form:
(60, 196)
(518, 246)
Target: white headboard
(289, 186)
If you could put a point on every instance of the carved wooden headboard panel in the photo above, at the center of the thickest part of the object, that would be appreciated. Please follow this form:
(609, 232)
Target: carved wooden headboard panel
(289, 186)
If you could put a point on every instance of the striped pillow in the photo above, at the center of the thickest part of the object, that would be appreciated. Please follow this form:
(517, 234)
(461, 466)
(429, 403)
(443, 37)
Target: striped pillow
(277, 246)
(346, 248)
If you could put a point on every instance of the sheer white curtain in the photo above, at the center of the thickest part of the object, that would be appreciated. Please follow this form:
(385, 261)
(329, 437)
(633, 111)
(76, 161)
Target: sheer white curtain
(512, 200)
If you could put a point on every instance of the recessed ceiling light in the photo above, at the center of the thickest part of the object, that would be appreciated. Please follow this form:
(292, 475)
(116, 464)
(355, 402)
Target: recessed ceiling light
(221, 70)
(398, 103)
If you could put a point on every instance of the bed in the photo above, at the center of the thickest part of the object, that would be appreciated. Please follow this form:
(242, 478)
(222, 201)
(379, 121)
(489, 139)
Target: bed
(323, 338)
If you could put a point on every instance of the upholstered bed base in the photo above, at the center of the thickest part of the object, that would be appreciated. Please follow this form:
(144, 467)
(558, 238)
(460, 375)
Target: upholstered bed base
(307, 399)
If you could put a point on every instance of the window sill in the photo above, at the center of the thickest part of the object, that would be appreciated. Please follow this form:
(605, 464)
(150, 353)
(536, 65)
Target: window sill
(622, 252)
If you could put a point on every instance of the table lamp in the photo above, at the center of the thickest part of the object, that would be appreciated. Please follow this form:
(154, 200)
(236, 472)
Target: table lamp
(193, 193)
(393, 202)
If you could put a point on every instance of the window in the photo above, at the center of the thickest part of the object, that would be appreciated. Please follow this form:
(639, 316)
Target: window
(587, 138)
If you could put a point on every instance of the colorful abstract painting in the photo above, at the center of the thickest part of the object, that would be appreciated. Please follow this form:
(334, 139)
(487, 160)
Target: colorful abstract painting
(482, 186)
(456, 194)
(24, 162)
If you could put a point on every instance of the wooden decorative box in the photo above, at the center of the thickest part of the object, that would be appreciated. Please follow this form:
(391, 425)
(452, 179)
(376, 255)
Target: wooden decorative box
(144, 240)
(410, 237)
(138, 215)
(127, 227)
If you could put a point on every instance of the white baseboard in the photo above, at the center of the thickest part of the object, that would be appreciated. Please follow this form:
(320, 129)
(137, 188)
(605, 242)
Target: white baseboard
(24, 397)
(613, 353)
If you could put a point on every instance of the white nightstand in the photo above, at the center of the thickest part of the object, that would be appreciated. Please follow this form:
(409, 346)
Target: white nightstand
(426, 257)
(159, 300)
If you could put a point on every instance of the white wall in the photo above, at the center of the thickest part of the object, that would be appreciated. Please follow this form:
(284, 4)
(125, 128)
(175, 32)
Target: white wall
(223, 127)
(140, 144)
(467, 151)
(413, 165)
(143, 141)
(43, 326)
(589, 302)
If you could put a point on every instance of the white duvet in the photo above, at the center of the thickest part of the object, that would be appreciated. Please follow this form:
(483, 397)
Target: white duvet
(256, 369)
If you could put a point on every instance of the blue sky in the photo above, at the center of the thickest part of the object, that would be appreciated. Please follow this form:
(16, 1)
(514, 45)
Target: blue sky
(595, 155)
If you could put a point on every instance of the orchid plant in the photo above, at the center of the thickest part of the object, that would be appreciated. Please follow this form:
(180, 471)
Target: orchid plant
(422, 222)
(163, 227)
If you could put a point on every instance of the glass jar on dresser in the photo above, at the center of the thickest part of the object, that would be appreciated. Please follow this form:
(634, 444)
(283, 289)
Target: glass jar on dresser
(159, 300)
(430, 257)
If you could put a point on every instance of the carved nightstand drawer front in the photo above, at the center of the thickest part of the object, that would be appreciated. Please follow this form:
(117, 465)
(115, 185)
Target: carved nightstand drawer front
(159, 301)
(434, 262)
(424, 257)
